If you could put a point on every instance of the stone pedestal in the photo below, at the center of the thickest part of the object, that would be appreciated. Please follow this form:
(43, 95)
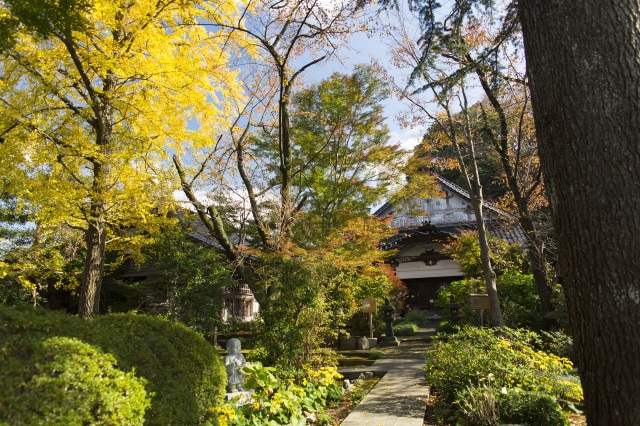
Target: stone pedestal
(388, 341)
(241, 398)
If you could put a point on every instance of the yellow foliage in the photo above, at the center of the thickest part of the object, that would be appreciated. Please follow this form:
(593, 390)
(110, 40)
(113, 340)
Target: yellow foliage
(138, 74)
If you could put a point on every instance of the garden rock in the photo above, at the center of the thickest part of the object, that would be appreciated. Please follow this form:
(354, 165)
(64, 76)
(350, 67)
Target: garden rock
(363, 343)
(347, 386)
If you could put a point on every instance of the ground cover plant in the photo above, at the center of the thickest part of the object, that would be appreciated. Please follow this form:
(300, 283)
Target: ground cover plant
(280, 396)
(479, 370)
(114, 355)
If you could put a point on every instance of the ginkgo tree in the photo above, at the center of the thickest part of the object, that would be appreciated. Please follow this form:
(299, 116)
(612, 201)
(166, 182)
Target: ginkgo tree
(93, 94)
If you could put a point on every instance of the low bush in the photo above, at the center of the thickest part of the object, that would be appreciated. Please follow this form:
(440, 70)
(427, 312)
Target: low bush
(558, 343)
(416, 317)
(531, 408)
(375, 354)
(184, 374)
(518, 299)
(61, 381)
(325, 419)
(357, 397)
(406, 329)
(467, 357)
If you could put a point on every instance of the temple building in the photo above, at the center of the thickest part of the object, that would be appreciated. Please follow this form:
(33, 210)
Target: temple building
(238, 304)
(424, 227)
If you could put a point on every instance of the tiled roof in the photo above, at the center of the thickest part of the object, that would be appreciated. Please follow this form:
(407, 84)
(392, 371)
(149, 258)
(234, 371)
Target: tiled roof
(499, 223)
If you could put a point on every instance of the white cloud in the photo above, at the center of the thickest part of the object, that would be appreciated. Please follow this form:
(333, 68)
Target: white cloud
(407, 137)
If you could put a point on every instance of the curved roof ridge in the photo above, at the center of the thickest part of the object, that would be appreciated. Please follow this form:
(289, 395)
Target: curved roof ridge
(464, 193)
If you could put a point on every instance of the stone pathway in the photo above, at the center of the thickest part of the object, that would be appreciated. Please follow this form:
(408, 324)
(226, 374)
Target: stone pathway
(400, 397)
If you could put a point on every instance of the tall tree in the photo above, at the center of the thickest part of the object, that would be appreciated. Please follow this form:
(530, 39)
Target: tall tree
(461, 131)
(343, 160)
(583, 62)
(283, 41)
(290, 37)
(95, 92)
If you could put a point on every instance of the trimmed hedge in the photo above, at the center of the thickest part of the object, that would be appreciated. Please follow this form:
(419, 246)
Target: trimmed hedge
(184, 374)
(63, 381)
(414, 316)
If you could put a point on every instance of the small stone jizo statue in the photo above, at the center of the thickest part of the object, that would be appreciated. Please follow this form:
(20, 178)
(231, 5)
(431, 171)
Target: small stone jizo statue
(234, 362)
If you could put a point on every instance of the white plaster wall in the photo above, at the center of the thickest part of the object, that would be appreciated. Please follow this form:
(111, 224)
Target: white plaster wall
(444, 268)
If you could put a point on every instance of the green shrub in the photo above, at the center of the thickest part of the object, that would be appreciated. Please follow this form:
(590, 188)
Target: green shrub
(184, 374)
(416, 317)
(509, 355)
(375, 354)
(63, 381)
(531, 408)
(406, 329)
(559, 343)
(519, 300)
(298, 318)
(357, 397)
(446, 327)
(325, 419)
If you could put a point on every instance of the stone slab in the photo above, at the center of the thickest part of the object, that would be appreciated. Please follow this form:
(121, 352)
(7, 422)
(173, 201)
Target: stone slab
(399, 398)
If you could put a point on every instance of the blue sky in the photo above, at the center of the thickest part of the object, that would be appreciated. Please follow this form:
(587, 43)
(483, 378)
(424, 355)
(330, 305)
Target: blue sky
(363, 49)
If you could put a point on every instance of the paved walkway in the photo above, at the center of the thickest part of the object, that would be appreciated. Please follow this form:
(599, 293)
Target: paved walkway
(400, 397)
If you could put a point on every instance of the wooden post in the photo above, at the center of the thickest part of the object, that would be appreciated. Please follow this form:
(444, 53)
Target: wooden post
(369, 306)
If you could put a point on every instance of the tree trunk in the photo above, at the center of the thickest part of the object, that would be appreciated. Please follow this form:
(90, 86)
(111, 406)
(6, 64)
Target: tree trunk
(584, 66)
(485, 255)
(286, 158)
(96, 216)
(212, 220)
(89, 303)
(539, 268)
(472, 181)
(535, 252)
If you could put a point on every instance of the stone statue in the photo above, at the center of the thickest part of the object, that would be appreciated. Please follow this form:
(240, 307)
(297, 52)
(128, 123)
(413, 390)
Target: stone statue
(234, 362)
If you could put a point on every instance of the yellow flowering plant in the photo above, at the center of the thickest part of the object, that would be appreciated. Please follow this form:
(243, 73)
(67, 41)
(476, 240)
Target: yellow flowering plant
(510, 356)
(280, 396)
